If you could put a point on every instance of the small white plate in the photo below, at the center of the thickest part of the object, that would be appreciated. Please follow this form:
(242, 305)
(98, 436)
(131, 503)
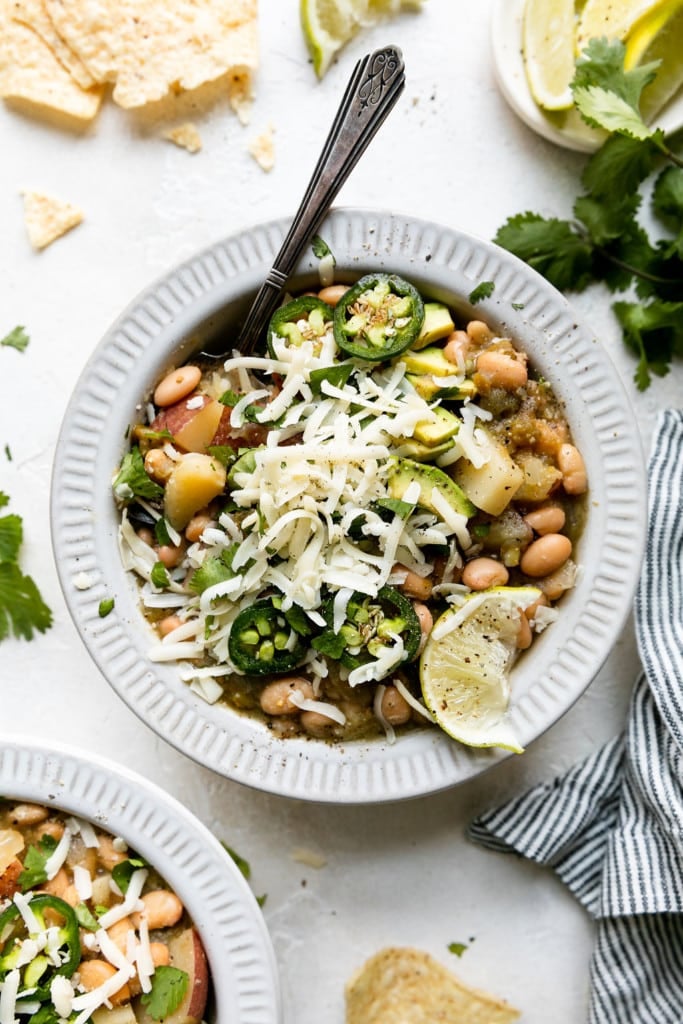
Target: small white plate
(565, 128)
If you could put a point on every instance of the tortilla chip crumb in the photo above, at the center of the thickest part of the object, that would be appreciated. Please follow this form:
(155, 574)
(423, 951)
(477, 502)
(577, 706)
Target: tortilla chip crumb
(186, 136)
(47, 218)
(407, 986)
(263, 150)
(240, 96)
(312, 859)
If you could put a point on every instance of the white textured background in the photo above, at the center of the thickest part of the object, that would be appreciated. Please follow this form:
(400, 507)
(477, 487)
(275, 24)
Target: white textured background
(453, 152)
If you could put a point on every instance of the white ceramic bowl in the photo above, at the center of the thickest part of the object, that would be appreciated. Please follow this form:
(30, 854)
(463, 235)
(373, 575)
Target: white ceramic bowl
(183, 851)
(194, 302)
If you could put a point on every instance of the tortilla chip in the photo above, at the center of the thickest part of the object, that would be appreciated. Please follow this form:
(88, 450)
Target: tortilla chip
(186, 136)
(48, 218)
(263, 150)
(147, 47)
(30, 71)
(406, 986)
(33, 14)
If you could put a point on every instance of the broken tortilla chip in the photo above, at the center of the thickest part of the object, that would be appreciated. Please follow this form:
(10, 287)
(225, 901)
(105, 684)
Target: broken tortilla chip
(263, 150)
(48, 218)
(33, 14)
(30, 71)
(186, 136)
(407, 986)
(148, 47)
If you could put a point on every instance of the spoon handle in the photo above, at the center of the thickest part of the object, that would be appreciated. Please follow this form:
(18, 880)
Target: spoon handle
(373, 89)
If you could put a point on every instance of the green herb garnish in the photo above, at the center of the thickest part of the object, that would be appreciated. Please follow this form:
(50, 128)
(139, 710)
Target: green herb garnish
(605, 241)
(22, 609)
(34, 872)
(132, 480)
(482, 291)
(17, 338)
(105, 607)
(169, 986)
(159, 576)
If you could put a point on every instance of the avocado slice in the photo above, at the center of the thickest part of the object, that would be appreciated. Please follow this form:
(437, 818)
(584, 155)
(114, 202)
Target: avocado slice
(429, 360)
(403, 472)
(414, 449)
(435, 433)
(428, 387)
(438, 324)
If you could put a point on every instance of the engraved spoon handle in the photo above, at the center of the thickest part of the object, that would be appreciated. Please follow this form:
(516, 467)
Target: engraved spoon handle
(373, 89)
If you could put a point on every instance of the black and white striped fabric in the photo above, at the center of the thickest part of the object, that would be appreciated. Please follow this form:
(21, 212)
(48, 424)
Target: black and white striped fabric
(612, 827)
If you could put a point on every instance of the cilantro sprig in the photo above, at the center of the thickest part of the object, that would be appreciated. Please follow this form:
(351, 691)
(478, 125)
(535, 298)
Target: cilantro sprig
(169, 986)
(17, 338)
(605, 242)
(22, 609)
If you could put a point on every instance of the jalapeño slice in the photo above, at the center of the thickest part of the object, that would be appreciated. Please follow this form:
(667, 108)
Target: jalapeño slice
(378, 318)
(38, 972)
(370, 625)
(261, 641)
(307, 318)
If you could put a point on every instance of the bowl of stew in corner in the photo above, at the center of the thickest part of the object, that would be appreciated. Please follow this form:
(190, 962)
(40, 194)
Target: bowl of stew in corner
(387, 550)
(117, 906)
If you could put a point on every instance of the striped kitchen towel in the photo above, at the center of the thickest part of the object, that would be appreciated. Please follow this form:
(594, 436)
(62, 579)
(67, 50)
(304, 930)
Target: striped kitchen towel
(612, 827)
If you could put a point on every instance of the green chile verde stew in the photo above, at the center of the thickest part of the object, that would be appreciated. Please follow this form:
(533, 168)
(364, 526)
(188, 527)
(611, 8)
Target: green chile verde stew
(89, 932)
(300, 519)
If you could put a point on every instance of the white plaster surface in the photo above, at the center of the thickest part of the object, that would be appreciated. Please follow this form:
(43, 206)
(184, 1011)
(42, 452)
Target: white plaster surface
(452, 151)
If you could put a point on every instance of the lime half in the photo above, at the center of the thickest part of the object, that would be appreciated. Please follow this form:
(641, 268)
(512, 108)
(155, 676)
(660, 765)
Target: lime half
(548, 47)
(611, 18)
(658, 36)
(464, 668)
(329, 24)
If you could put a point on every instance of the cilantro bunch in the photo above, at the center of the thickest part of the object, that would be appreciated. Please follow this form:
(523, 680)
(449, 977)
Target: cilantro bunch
(22, 609)
(605, 241)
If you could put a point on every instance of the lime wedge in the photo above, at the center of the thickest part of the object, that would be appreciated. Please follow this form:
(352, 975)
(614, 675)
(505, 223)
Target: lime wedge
(658, 36)
(329, 24)
(548, 48)
(464, 668)
(611, 18)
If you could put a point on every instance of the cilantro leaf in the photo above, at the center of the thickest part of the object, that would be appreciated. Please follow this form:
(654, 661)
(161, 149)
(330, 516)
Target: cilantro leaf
(211, 571)
(623, 161)
(297, 619)
(8, 453)
(399, 508)
(169, 986)
(601, 67)
(602, 108)
(106, 606)
(483, 291)
(336, 375)
(34, 863)
(654, 332)
(320, 247)
(161, 532)
(241, 863)
(159, 576)
(4, 499)
(11, 534)
(223, 453)
(552, 247)
(606, 220)
(330, 643)
(457, 947)
(132, 480)
(249, 412)
(667, 203)
(124, 870)
(17, 338)
(22, 609)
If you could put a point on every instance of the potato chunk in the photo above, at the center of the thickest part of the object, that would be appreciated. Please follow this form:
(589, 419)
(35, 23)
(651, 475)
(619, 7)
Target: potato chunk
(197, 433)
(196, 480)
(490, 487)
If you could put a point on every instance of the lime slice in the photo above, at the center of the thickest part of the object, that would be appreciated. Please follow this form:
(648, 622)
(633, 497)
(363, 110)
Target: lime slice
(612, 19)
(329, 24)
(658, 36)
(548, 48)
(465, 664)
